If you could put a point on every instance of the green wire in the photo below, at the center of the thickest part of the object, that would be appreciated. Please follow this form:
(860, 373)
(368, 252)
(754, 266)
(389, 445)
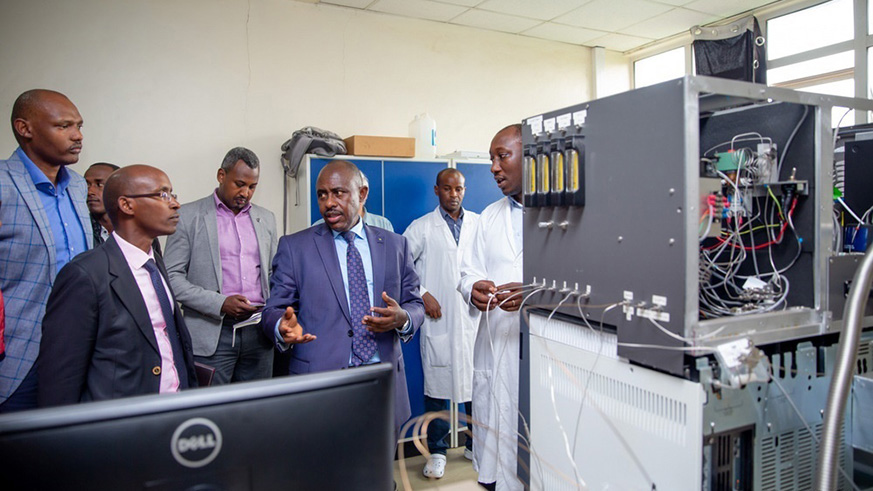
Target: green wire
(778, 204)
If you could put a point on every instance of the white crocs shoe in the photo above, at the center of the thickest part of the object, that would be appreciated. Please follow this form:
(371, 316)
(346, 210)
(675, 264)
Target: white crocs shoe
(435, 467)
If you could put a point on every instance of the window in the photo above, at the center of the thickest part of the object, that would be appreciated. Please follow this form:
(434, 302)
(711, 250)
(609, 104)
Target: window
(869, 94)
(794, 74)
(869, 17)
(825, 24)
(659, 68)
(812, 50)
(845, 88)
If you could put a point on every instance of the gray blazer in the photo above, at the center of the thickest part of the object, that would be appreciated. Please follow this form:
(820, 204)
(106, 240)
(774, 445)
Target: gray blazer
(194, 267)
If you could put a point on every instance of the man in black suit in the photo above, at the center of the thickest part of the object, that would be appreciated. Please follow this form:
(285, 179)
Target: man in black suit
(112, 328)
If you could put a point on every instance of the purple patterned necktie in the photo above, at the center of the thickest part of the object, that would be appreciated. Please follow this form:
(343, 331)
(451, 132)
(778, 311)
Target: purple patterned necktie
(363, 341)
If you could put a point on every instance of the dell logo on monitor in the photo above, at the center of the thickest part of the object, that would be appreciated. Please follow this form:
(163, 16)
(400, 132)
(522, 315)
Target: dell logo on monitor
(196, 442)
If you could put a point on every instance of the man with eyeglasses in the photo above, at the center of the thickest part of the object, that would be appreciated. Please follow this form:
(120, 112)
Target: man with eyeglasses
(47, 224)
(112, 327)
(101, 226)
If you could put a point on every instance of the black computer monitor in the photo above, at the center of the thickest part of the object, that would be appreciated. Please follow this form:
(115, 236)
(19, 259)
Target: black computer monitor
(332, 430)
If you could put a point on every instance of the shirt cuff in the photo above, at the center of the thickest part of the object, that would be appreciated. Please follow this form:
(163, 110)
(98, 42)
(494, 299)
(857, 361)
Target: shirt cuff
(405, 331)
(280, 345)
(405, 328)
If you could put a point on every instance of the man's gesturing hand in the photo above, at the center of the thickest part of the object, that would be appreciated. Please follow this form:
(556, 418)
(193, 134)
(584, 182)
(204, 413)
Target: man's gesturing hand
(291, 331)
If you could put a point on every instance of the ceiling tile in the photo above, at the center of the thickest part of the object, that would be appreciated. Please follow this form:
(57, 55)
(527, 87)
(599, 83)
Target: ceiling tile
(676, 3)
(619, 25)
(725, 9)
(419, 9)
(494, 21)
(612, 15)
(668, 24)
(465, 3)
(357, 4)
(619, 42)
(535, 9)
(563, 33)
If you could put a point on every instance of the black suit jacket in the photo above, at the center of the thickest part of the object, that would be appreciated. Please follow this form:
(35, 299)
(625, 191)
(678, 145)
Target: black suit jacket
(97, 339)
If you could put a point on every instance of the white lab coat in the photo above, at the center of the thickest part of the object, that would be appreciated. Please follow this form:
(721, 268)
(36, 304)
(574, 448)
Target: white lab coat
(494, 256)
(447, 342)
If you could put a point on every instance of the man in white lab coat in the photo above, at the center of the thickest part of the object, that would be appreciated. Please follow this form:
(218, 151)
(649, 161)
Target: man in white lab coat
(491, 273)
(437, 241)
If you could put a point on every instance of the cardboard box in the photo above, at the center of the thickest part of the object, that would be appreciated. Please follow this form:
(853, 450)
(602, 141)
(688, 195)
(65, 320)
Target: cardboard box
(380, 146)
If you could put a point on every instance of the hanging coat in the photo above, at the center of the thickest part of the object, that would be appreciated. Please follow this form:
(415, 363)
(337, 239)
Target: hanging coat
(494, 256)
(447, 342)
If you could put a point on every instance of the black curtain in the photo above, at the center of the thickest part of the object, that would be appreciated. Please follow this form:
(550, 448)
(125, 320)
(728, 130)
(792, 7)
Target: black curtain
(739, 57)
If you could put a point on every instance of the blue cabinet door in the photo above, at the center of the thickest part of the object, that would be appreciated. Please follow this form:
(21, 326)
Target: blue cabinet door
(409, 195)
(408, 192)
(481, 188)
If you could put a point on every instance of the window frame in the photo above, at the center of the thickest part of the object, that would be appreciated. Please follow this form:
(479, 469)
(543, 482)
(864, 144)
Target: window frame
(859, 44)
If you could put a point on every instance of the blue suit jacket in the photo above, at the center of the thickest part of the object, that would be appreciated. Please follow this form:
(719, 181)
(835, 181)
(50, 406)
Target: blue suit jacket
(27, 264)
(306, 276)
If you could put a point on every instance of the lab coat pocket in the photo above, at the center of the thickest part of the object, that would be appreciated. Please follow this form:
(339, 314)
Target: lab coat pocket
(438, 350)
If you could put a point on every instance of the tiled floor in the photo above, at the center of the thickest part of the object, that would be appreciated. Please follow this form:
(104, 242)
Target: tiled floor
(459, 476)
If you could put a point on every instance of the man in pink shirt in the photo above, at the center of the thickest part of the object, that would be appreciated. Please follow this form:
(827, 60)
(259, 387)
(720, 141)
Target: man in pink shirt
(112, 327)
(219, 261)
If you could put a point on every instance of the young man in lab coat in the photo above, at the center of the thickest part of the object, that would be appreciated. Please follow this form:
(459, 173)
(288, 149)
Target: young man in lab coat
(491, 275)
(437, 241)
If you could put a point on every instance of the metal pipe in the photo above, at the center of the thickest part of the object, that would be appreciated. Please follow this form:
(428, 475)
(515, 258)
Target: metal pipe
(844, 371)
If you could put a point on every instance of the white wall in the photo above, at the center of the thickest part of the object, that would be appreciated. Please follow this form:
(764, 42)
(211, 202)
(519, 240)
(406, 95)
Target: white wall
(616, 74)
(176, 83)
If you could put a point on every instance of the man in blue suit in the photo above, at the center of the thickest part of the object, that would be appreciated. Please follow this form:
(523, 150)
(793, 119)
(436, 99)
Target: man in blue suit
(344, 292)
(46, 219)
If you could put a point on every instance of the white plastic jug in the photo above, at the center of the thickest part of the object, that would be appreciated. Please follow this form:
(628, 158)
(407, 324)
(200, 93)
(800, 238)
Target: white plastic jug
(423, 129)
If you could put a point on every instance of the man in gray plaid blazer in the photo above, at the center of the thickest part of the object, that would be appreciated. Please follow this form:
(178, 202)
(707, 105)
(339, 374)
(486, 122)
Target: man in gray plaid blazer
(46, 224)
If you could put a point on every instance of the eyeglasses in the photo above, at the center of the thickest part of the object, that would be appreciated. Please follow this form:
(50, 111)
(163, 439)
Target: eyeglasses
(165, 196)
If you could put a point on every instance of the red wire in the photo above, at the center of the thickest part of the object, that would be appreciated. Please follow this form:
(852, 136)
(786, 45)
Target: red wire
(760, 246)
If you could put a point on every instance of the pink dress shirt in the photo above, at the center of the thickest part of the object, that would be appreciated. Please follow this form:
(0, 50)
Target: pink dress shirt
(240, 257)
(136, 258)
